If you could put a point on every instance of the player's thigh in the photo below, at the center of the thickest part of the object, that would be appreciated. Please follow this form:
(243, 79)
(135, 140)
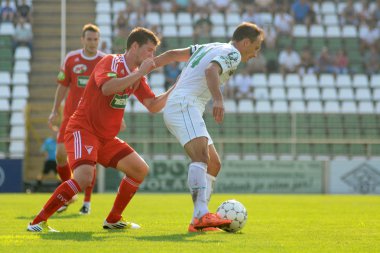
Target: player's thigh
(185, 122)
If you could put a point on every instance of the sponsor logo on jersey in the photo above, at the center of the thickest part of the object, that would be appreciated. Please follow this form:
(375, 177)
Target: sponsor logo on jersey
(79, 68)
(119, 101)
(112, 74)
(82, 81)
(88, 148)
(61, 76)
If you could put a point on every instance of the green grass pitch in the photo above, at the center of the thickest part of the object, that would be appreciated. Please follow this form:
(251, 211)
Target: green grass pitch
(276, 223)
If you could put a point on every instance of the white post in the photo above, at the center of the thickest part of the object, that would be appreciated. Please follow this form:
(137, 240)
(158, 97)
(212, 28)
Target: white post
(63, 30)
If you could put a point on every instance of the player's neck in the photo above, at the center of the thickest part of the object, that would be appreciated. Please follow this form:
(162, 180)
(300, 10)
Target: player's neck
(130, 61)
(88, 53)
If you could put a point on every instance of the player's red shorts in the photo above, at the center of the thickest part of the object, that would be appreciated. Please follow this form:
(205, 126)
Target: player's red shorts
(84, 147)
(62, 129)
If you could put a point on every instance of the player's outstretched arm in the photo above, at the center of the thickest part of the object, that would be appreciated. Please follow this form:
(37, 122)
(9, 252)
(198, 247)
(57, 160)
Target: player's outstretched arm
(131, 81)
(156, 104)
(174, 55)
(60, 95)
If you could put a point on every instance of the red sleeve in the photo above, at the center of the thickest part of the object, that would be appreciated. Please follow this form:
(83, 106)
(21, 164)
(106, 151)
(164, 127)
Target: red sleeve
(103, 70)
(144, 91)
(64, 75)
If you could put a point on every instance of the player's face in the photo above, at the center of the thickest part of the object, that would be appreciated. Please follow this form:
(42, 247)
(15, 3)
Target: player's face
(251, 49)
(145, 51)
(90, 42)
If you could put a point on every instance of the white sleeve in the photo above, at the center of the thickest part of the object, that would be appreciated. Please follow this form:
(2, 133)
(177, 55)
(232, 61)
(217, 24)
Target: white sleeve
(228, 60)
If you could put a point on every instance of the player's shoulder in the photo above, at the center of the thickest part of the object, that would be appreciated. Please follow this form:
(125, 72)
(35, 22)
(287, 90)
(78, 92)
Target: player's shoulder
(101, 54)
(73, 53)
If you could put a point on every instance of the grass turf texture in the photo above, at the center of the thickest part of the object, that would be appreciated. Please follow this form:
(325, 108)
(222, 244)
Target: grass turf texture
(276, 223)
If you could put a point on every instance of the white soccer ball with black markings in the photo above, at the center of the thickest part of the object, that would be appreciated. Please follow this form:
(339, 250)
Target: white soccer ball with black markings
(235, 211)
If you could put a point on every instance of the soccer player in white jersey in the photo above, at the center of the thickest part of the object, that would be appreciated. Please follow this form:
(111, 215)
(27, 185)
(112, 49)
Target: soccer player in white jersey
(208, 66)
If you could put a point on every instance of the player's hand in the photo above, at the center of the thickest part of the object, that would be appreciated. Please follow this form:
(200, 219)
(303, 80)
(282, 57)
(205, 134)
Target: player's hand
(147, 66)
(52, 118)
(218, 111)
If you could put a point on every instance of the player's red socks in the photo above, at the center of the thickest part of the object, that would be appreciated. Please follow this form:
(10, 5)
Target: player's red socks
(61, 195)
(64, 172)
(88, 191)
(127, 188)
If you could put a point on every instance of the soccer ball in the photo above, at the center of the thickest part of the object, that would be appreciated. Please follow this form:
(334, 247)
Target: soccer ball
(235, 211)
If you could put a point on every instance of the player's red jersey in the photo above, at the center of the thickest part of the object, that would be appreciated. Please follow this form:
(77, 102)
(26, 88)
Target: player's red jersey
(75, 72)
(100, 114)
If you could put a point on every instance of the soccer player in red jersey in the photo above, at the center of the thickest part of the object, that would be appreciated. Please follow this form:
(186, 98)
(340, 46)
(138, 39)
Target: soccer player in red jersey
(72, 79)
(90, 135)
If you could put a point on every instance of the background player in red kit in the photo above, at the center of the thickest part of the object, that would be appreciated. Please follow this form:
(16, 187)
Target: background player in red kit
(72, 80)
(91, 132)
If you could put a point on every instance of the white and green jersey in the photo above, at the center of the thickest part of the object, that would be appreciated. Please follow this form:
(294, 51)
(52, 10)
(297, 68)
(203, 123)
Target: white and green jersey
(192, 83)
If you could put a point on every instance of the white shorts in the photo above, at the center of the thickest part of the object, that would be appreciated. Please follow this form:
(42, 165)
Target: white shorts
(184, 120)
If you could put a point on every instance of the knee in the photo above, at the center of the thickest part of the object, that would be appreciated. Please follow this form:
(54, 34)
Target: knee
(61, 158)
(144, 170)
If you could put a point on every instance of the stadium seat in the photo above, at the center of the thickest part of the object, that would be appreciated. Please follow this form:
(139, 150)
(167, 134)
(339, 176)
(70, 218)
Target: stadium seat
(259, 80)
(20, 92)
(18, 104)
(314, 107)
(7, 28)
(233, 19)
(230, 106)
(375, 81)
(186, 31)
(261, 94)
(348, 107)
(118, 6)
(349, 31)
(343, 81)
(23, 53)
(17, 118)
(330, 20)
(292, 80)
(295, 94)
(297, 107)
(245, 106)
(5, 92)
(22, 66)
(4, 105)
(217, 19)
(184, 19)
(363, 94)
(346, 94)
(331, 107)
(153, 18)
(360, 80)
(326, 81)
(265, 106)
(328, 7)
(5, 78)
(366, 107)
(329, 94)
(219, 33)
(20, 79)
(17, 132)
(275, 80)
(310, 80)
(168, 19)
(300, 31)
(277, 94)
(157, 79)
(103, 8)
(376, 94)
(103, 19)
(312, 94)
(280, 106)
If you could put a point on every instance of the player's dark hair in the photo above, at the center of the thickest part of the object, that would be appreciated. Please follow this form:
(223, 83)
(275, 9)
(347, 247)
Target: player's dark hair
(89, 27)
(247, 30)
(142, 36)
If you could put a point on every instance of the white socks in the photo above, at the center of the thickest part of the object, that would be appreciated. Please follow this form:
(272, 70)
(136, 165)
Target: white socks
(198, 187)
(210, 186)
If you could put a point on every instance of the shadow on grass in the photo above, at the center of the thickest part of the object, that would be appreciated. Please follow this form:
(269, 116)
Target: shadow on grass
(56, 216)
(72, 236)
(174, 238)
